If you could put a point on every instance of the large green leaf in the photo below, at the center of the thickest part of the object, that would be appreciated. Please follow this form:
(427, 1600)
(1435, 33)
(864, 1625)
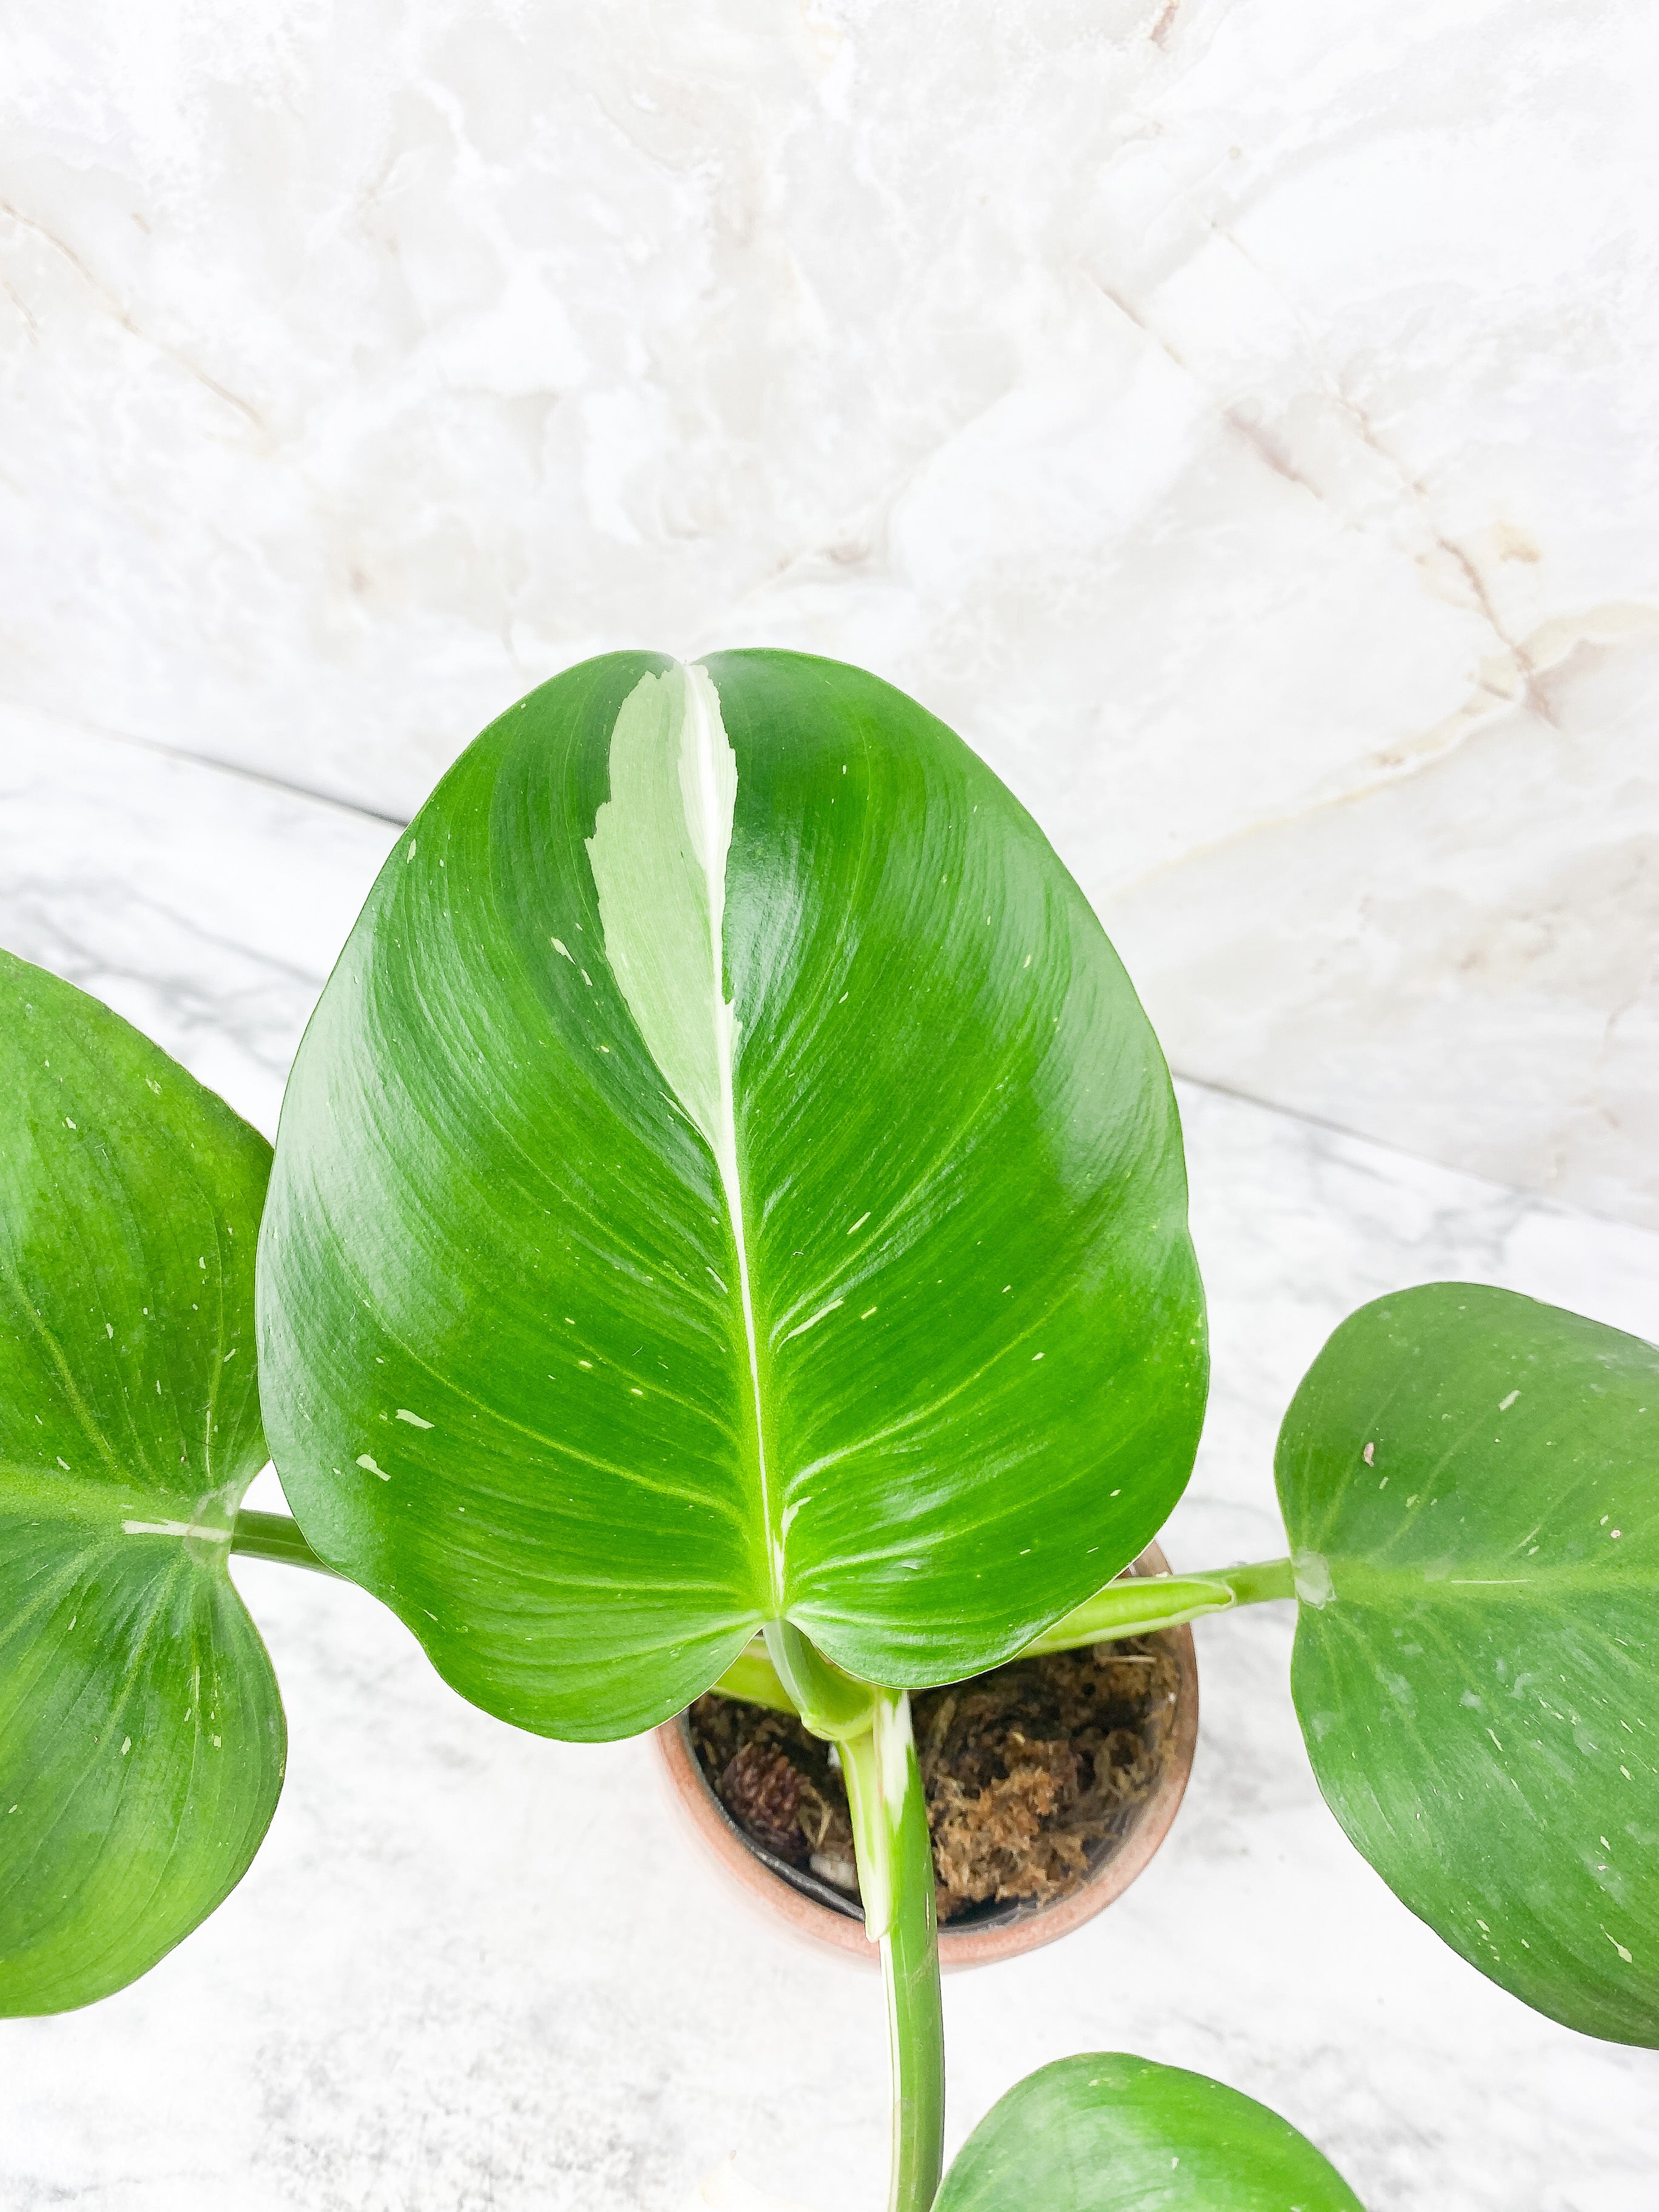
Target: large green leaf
(728, 1177)
(141, 1734)
(1107, 2133)
(1471, 1485)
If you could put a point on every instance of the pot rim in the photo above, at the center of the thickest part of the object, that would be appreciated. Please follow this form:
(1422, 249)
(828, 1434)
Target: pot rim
(842, 1933)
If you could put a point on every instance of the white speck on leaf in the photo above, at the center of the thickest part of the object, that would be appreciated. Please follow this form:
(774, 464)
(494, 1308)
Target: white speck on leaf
(1504, 1404)
(365, 1460)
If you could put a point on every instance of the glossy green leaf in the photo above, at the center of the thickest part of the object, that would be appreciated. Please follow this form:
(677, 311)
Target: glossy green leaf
(1471, 1484)
(1107, 2133)
(727, 1177)
(140, 1734)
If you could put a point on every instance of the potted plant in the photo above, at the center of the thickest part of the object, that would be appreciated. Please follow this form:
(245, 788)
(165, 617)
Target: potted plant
(1050, 1784)
(728, 1190)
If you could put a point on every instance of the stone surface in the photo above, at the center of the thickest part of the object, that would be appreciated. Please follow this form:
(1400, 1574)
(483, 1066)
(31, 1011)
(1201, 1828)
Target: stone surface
(474, 1971)
(1238, 421)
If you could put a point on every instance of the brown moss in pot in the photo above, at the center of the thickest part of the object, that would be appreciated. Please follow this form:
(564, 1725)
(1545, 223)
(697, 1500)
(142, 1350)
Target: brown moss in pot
(1031, 1773)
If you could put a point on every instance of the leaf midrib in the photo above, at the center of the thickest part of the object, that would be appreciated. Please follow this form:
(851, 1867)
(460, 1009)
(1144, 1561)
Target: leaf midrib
(726, 1144)
(1359, 1582)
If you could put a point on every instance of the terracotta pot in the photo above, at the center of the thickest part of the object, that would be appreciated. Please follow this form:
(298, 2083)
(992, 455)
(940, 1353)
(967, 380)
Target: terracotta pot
(805, 1906)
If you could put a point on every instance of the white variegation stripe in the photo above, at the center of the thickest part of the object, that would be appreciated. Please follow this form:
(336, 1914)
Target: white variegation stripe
(176, 1529)
(659, 851)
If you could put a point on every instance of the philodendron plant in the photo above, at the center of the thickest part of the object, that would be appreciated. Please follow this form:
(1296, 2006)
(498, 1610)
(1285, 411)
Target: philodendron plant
(728, 1228)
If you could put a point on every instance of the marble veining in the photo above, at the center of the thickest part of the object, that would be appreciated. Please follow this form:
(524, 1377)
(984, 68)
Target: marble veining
(1238, 421)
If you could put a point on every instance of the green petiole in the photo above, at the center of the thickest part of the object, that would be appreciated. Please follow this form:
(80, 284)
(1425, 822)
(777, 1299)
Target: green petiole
(871, 1729)
(1137, 1606)
(274, 1536)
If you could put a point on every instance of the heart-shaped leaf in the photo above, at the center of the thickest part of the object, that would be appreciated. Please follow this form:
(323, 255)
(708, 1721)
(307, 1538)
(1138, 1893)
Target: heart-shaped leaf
(727, 1177)
(140, 1734)
(1471, 1484)
(1108, 2133)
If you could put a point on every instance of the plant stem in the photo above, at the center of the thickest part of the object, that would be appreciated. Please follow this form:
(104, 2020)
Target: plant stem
(1136, 1605)
(833, 1705)
(274, 1536)
(895, 1856)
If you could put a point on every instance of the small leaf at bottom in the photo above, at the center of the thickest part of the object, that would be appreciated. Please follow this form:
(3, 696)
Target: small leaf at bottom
(1110, 2133)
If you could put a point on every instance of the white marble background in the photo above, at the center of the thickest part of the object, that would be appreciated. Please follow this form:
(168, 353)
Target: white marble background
(1238, 420)
(1235, 415)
